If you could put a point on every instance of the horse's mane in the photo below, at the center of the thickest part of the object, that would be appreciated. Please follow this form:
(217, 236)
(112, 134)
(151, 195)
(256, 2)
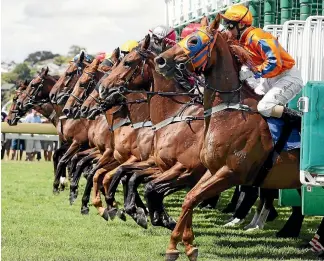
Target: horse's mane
(241, 57)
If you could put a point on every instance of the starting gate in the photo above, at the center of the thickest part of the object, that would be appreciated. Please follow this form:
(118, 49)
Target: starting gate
(304, 40)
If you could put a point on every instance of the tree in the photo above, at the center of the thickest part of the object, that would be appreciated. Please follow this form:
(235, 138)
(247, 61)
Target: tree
(40, 56)
(21, 72)
(74, 50)
(59, 60)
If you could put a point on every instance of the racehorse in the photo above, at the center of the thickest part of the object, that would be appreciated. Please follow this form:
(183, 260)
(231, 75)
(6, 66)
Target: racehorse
(237, 140)
(178, 126)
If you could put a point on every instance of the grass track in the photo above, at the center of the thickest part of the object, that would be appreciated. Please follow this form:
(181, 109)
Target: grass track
(36, 225)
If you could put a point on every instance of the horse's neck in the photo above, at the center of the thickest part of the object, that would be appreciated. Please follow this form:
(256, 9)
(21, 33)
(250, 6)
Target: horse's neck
(161, 107)
(48, 111)
(138, 112)
(223, 76)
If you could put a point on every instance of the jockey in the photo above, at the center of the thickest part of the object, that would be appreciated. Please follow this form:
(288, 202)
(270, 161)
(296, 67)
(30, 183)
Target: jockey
(101, 56)
(162, 36)
(88, 58)
(127, 47)
(280, 79)
(107, 63)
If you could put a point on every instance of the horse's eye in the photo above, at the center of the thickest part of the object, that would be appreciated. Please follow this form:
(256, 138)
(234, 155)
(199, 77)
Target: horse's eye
(127, 64)
(193, 41)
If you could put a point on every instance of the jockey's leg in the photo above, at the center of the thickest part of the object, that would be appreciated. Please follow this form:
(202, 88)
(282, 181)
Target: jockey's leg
(282, 90)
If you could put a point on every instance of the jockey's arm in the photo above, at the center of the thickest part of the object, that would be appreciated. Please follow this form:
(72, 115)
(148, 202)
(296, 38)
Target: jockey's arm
(270, 53)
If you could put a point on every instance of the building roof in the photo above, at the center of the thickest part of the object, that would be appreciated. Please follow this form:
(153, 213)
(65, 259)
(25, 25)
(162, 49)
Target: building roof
(7, 86)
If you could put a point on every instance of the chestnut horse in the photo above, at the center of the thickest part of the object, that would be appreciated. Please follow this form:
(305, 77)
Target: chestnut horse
(237, 140)
(178, 128)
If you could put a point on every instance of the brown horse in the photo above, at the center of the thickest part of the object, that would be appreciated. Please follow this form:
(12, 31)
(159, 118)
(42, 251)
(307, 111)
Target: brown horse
(236, 142)
(86, 83)
(63, 87)
(13, 116)
(178, 129)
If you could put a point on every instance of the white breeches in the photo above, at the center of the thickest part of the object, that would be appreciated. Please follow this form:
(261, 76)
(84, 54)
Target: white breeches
(279, 90)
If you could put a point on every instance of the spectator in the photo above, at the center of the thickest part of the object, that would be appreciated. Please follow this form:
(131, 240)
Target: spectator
(17, 145)
(33, 145)
(5, 143)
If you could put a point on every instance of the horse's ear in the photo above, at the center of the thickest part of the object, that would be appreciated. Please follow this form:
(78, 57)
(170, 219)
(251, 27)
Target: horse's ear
(215, 23)
(146, 42)
(26, 82)
(95, 62)
(115, 55)
(46, 71)
(81, 58)
(204, 21)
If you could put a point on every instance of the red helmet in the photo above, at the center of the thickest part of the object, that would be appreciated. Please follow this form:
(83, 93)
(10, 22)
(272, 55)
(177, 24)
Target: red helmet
(189, 29)
(165, 33)
(101, 56)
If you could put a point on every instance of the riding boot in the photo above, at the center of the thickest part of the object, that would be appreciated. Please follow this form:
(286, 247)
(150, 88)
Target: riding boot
(292, 117)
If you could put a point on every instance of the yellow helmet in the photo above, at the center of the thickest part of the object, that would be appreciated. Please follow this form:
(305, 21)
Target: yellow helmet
(128, 46)
(108, 55)
(238, 13)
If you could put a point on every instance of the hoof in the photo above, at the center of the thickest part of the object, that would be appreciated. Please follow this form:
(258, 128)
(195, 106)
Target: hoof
(112, 213)
(84, 210)
(121, 214)
(73, 198)
(172, 255)
(234, 222)
(56, 191)
(287, 234)
(141, 218)
(105, 215)
(172, 223)
(193, 254)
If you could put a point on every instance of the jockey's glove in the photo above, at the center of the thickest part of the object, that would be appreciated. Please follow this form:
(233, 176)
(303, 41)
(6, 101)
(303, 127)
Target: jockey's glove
(243, 75)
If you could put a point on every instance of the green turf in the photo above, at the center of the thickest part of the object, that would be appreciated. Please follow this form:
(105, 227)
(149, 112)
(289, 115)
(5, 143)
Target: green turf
(36, 225)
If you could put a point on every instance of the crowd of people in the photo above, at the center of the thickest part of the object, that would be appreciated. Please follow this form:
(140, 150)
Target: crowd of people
(13, 149)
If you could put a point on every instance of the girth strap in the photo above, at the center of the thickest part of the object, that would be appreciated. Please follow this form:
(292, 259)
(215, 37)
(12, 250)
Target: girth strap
(123, 122)
(174, 119)
(224, 106)
(142, 124)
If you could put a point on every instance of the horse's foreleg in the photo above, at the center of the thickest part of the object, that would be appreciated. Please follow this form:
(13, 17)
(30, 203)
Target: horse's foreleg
(69, 153)
(78, 172)
(204, 189)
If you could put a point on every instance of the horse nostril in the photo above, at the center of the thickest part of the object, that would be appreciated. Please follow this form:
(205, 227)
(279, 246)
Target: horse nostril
(160, 61)
(66, 111)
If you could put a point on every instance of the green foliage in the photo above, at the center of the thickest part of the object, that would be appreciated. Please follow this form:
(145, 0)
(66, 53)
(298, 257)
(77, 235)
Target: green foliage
(40, 56)
(9, 77)
(39, 226)
(59, 60)
(74, 50)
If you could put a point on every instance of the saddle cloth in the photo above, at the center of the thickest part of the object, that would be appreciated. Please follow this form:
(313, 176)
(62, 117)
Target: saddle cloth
(275, 127)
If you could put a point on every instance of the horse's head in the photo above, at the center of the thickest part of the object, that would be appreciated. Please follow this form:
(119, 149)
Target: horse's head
(38, 90)
(14, 113)
(194, 53)
(132, 73)
(82, 88)
(64, 86)
(90, 107)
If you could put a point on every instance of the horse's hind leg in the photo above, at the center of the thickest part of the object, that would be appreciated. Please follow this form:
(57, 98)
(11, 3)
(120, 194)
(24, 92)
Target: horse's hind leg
(267, 197)
(293, 225)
